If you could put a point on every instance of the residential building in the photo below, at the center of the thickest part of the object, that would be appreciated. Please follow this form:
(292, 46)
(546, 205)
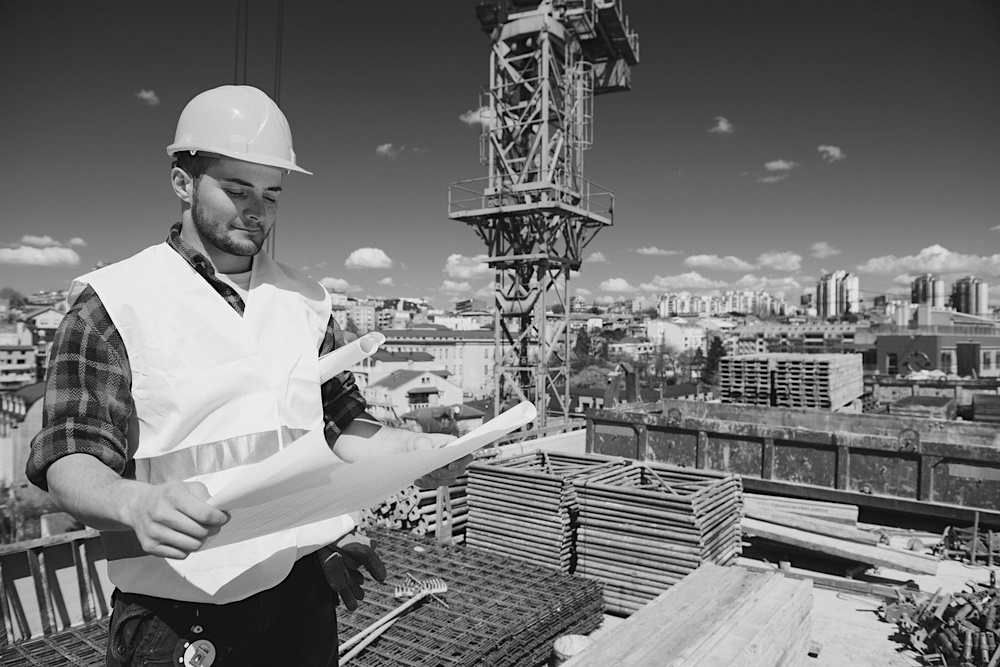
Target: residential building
(971, 295)
(467, 355)
(42, 323)
(814, 337)
(362, 313)
(927, 289)
(405, 390)
(732, 301)
(469, 320)
(17, 366)
(837, 293)
(384, 362)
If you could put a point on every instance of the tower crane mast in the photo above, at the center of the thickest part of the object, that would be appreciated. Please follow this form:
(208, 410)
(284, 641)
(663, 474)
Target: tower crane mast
(535, 210)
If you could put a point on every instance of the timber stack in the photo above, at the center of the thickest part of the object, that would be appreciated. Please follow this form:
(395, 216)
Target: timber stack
(715, 616)
(822, 381)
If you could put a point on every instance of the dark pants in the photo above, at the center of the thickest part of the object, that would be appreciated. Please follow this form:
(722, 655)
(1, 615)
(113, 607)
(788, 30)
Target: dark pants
(294, 623)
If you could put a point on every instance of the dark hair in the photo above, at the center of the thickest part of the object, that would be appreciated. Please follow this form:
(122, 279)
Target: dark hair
(194, 164)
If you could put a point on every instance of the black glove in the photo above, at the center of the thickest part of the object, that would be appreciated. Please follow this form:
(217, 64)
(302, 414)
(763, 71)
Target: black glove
(342, 562)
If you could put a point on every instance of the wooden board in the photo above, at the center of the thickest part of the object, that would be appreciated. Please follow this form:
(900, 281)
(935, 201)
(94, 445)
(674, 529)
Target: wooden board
(907, 561)
(715, 616)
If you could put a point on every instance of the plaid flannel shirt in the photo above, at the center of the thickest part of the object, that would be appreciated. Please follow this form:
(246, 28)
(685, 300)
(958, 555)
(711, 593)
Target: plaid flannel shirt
(88, 391)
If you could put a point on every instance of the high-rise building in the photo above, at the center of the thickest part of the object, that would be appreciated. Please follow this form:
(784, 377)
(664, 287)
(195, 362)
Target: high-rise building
(928, 289)
(971, 295)
(838, 293)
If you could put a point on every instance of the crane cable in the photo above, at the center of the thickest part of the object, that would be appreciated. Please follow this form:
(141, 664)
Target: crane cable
(243, 22)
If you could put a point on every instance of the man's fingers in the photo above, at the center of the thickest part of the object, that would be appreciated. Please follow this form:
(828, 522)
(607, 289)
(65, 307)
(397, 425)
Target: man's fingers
(347, 595)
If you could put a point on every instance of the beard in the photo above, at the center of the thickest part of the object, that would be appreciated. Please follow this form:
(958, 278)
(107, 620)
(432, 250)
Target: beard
(217, 233)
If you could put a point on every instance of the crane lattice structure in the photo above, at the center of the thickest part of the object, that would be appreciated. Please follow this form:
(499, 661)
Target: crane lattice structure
(535, 210)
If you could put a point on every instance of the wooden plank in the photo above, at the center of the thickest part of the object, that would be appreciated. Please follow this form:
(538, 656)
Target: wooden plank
(907, 561)
(36, 563)
(836, 512)
(714, 616)
(818, 526)
(660, 620)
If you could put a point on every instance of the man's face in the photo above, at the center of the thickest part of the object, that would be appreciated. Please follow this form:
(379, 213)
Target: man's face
(235, 205)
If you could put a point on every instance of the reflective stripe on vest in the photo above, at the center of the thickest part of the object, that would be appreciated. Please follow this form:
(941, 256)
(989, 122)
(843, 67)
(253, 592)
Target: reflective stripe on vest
(212, 456)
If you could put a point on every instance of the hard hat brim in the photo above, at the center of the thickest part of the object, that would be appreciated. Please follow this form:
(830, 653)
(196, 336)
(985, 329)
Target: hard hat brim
(174, 149)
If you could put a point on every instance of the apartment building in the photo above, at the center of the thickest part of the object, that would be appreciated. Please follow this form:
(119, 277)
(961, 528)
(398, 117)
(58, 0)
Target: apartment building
(468, 356)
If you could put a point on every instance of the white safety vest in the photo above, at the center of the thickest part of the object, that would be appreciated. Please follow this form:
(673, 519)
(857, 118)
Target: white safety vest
(212, 391)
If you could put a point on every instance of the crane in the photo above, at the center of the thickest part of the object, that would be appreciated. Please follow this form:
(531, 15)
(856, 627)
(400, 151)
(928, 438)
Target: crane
(535, 210)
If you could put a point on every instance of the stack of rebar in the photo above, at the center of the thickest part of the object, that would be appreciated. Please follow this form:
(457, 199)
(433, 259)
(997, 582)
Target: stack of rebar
(644, 527)
(417, 510)
(497, 611)
(526, 507)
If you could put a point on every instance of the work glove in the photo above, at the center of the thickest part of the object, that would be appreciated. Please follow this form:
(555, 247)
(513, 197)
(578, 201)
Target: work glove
(342, 562)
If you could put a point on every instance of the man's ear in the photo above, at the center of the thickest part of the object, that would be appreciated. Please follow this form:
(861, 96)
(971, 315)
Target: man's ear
(182, 184)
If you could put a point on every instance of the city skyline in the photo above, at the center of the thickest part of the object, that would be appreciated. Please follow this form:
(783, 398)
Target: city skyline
(763, 145)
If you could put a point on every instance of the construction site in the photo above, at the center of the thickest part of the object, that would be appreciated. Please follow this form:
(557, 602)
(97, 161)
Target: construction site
(785, 518)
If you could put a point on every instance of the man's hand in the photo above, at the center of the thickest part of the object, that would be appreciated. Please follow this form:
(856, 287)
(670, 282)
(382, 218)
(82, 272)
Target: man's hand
(173, 520)
(364, 439)
(342, 562)
(446, 475)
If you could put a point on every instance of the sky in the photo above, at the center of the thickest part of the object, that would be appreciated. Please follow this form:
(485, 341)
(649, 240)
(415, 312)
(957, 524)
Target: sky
(763, 144)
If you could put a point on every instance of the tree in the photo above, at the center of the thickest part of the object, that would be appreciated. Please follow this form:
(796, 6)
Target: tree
(351, 326)
(16, 298)
(716, 350)
(581, 350)
(558, 309)
(595, 375)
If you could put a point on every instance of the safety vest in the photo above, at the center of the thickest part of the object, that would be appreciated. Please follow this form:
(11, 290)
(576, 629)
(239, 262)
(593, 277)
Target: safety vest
(212, 391)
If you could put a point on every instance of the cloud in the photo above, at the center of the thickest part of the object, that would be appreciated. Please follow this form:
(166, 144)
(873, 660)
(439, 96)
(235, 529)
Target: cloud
(39, 241)
(581, 291)
(368, 258)
(78, 242)
(47, 256)
(683, 281)
(831, 153)
(779, 165)
(386, 281)
(339, 285)
(604, 300)
(778, 170)
(933, 259)
(389, 151)
(728, 263)
(777, 287)
(616, 285)
(722, 126)
(653, 250)
(488, 292)
(780, 261)
(481, 116)
(452, 286)
(822, 250)
(596, 258)
(148, 96)
(467, 268)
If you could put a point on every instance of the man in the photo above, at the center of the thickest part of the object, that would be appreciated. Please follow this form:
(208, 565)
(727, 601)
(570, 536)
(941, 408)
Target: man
(194, 357)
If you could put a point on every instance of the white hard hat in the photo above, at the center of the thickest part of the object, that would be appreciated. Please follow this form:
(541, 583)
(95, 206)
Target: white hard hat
(239, 122)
